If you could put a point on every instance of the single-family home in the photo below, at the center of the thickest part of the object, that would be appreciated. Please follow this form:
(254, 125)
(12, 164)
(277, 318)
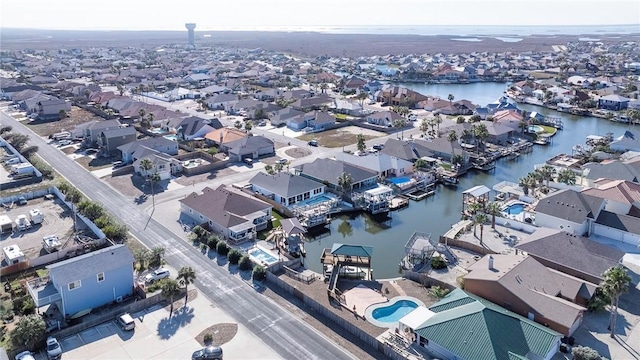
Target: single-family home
(223, 136)
(227, 212)
(158, 143)
(88, 281)
(195, 128)
(222, 101)
(465, 326)
(109, 140)
(312, 103)
(629, 141)
(50, 109)
(327, 171)
(521, 284)
(383, 118)
(347, 107)
(571, 254)
(384, 165)
(286, 188)
(569, 210)
(396, 95)
(353, 83)
(161, 164)
(93, 131)
(613, 102)
(252, 147)
(283, 116)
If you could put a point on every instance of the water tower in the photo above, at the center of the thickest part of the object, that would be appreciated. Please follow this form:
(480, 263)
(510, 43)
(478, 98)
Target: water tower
(191, 27)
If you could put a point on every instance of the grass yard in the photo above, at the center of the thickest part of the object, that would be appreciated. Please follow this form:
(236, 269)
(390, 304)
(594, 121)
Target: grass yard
(549, 130)
(334, 138)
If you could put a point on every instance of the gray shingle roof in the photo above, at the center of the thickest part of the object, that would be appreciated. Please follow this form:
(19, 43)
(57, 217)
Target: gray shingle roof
(570, 205)
(626, 223)
(88, 265)
(284, 184)
(329, 170)
(575, 252)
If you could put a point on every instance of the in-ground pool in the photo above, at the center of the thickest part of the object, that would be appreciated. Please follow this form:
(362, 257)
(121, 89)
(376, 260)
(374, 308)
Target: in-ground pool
(387, 314)
(514, 209)
(260, 256)
(536, 129)
(317, 200)
(172, 137)
(399, 180)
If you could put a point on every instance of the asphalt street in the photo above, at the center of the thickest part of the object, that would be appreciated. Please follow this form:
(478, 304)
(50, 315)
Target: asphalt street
(287, 335)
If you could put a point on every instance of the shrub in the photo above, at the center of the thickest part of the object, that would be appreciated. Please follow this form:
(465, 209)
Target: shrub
(29, 332)
(599, 301)
(234, 256)
(259, 273)
(585, 353)
(222, 248)
(437, 262)
(245, 263)
(213, 241)
(208, 338)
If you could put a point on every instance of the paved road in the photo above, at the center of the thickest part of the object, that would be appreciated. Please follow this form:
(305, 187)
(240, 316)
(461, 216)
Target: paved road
(286, 334)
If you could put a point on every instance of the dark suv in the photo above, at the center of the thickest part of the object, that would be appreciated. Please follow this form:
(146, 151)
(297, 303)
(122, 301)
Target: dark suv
(208, 353)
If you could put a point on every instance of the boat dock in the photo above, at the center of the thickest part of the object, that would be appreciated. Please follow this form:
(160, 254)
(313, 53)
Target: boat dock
(398, 202)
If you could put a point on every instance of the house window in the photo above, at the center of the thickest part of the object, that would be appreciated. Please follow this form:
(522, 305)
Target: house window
(201, 217)
(100, 277)
(74, 285)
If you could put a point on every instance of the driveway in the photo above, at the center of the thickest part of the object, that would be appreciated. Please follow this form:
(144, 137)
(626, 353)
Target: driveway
(157, 337)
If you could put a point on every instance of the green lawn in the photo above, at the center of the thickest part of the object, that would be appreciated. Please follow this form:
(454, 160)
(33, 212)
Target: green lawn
(549, 130)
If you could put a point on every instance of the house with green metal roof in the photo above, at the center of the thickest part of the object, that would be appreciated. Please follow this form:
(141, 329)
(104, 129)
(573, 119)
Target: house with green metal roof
(463, 326)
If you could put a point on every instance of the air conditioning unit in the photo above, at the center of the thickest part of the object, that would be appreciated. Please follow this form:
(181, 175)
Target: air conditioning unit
(119, 299)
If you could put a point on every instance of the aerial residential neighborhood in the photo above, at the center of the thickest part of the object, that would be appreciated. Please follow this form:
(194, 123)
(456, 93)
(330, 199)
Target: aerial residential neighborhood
(186, 198)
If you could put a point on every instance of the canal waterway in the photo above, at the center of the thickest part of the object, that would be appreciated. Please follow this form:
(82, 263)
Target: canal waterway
(436, 214)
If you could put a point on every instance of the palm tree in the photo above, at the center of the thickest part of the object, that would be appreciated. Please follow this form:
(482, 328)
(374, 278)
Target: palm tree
(142, 113)
(186, 276)
(324, 87)
(615, 283)
(493, 208)
(480, 219)
(362, 96)
(154, 179)
(420, 164)
(150, 118)
(567, 176)
(437, 120)
(400, 124)
(452, 138)
(424, 126)
(451, 98)
(523, 182)
(345, 181)
(146, 164)
(481, 133)
(546, 173)
(360, 144)
(474, 208)
(170, 289)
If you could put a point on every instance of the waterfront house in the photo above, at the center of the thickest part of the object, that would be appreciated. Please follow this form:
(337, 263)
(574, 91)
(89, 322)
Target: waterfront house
(353, 83)
(613, 102)
(571, 254)
(523, 285)
(227, 212)
(109, 140)
(628, 170)
(396, 95)
(465, 326)
(88, 281)
(347, 107)
(569, 210)
(327, 171)
(159, 143)
(384, 165)
(312, 103)
(286, 188)
(629, 141)
(406, 149)
(249, 147)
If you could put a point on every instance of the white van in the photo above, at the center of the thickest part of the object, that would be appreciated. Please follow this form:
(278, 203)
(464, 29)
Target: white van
(126, 322)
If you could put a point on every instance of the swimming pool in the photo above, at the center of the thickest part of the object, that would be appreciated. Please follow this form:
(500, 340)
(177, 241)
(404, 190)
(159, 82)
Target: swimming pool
(399, 180)
(535, 129)
(260, 256)
(317, 200)
(172, 137)
(514, 209)
(388, 314)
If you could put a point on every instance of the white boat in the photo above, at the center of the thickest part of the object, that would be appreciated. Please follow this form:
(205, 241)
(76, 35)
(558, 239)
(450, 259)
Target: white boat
(347, 271)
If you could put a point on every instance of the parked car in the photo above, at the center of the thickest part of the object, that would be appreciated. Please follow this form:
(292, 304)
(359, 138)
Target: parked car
(54, 351)
(313, 143)
(22, 200)
(282, 161)
(156, 275)
(208, 353)
(248, 161)
(65, 142)
(91, 151)
(117, 164)
(25, 355)
(126, 322)
(378, 147)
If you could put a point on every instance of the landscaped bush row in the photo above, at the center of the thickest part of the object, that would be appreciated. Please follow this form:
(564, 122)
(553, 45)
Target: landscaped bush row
(207, 241)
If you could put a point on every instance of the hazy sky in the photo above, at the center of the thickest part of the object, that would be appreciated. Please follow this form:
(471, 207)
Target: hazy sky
(215, 14)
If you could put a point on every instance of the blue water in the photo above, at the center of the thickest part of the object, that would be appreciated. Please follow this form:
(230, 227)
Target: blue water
(394, 312)
(399, 180)
(514, 209)
(535, 128)
(317, 200)
(262, 256)
(172, 137)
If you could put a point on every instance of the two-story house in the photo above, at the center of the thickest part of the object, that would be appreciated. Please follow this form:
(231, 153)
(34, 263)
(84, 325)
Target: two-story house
(159, 143)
